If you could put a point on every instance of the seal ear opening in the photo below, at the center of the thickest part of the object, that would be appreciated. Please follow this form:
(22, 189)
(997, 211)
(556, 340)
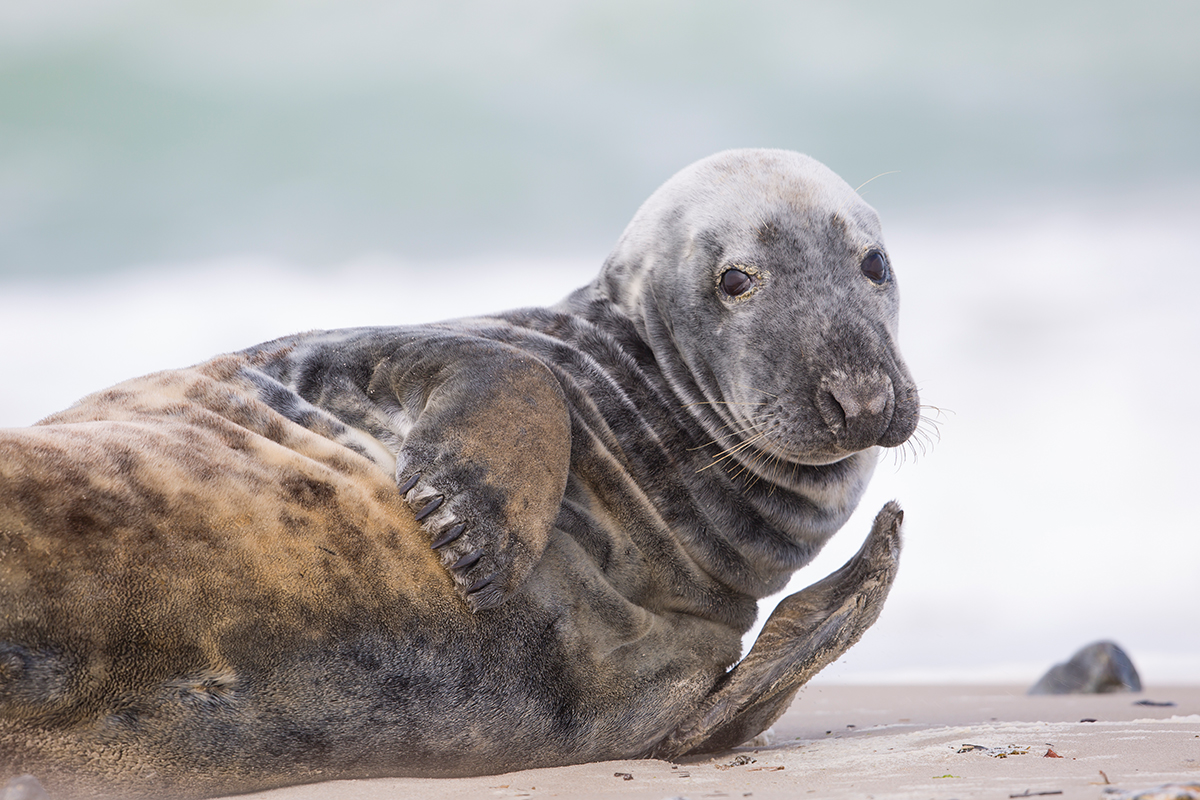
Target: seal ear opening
(620, 283)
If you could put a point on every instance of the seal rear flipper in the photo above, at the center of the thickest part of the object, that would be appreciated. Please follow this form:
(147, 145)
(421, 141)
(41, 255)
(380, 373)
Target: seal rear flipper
(807, 631)
(484, 464)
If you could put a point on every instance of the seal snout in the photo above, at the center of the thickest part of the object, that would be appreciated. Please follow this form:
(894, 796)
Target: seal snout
(857, 410)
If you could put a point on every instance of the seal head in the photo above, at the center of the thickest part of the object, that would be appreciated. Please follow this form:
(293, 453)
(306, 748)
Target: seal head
(761, 282)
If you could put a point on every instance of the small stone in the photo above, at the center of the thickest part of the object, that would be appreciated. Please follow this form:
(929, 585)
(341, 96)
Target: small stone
(1099, 668)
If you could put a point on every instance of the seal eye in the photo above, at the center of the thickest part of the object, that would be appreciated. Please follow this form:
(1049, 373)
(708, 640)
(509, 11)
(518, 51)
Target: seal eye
(735, 282)
(875, 267)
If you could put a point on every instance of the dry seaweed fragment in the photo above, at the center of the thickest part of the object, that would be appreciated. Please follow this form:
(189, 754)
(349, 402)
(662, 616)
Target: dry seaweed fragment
(994, 752)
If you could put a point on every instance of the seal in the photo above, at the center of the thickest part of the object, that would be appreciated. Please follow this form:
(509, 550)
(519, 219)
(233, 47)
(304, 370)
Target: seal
(516, 541)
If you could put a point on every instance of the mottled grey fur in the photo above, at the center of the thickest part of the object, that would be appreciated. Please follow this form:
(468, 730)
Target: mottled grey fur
(211, 582)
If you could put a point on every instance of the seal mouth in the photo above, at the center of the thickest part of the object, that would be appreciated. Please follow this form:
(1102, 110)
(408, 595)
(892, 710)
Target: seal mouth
(846, 415)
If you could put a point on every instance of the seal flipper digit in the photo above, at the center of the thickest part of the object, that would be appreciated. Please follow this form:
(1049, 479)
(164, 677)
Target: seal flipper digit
(807, 631)
(485, 463)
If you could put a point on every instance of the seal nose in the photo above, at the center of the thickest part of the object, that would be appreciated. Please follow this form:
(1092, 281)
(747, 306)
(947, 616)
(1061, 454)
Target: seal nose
(858, 411)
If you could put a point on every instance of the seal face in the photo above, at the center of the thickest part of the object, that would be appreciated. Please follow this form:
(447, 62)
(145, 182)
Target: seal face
(522, 540)
(797, 342)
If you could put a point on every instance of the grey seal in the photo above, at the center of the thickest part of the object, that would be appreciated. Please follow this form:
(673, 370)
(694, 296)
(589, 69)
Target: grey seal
(523, 540)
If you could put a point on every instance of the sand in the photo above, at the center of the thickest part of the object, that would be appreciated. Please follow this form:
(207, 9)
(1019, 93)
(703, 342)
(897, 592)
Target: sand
(885, 742)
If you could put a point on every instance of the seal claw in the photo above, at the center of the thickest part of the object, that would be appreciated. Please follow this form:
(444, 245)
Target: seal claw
(410, 483)
(429, 508)
(467, 561)
(481, 583)
(449, 536)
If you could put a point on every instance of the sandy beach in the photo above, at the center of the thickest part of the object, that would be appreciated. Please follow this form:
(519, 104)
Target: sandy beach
(840, 741)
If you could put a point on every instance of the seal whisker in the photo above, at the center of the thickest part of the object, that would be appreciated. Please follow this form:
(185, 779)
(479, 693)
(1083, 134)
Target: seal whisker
(725, 454)
(753, 435)
(931, 423)
(759, 459)
(900, 455)
(722, 403)
(754, 467)
(752, 426)
(756, 389)
(923, 439)
(719, 457)
(928, 431)
(880, 175)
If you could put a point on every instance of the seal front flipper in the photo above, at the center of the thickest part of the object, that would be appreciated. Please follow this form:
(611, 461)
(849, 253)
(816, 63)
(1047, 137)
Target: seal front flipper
(485, 462)
(807, 631)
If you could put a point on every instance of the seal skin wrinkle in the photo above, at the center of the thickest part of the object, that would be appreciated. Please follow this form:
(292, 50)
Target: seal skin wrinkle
(516, 541)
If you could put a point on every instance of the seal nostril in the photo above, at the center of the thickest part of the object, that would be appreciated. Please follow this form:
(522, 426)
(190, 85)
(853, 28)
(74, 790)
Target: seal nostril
(850, 405)
(831, 411)
(857, 411)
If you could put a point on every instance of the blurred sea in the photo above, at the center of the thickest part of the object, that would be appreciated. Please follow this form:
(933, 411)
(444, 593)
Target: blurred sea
(186, 179)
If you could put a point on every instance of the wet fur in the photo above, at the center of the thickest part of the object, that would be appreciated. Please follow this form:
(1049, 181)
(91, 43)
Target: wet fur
(471, 547)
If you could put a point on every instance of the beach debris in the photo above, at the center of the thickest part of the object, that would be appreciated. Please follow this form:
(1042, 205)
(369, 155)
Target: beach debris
(1168, 791)
(1050, 753)
(994, 752)
(740, 761)
(1154, 703)
(1028, 793)
(1099, 668)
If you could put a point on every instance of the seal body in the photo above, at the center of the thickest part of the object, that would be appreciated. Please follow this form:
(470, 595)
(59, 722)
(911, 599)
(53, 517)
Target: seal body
(516, 541)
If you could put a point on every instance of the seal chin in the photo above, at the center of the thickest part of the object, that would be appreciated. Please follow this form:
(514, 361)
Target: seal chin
(811, 454)
(824, 460)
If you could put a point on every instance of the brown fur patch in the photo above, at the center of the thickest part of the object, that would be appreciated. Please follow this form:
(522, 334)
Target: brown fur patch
(154, 531)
